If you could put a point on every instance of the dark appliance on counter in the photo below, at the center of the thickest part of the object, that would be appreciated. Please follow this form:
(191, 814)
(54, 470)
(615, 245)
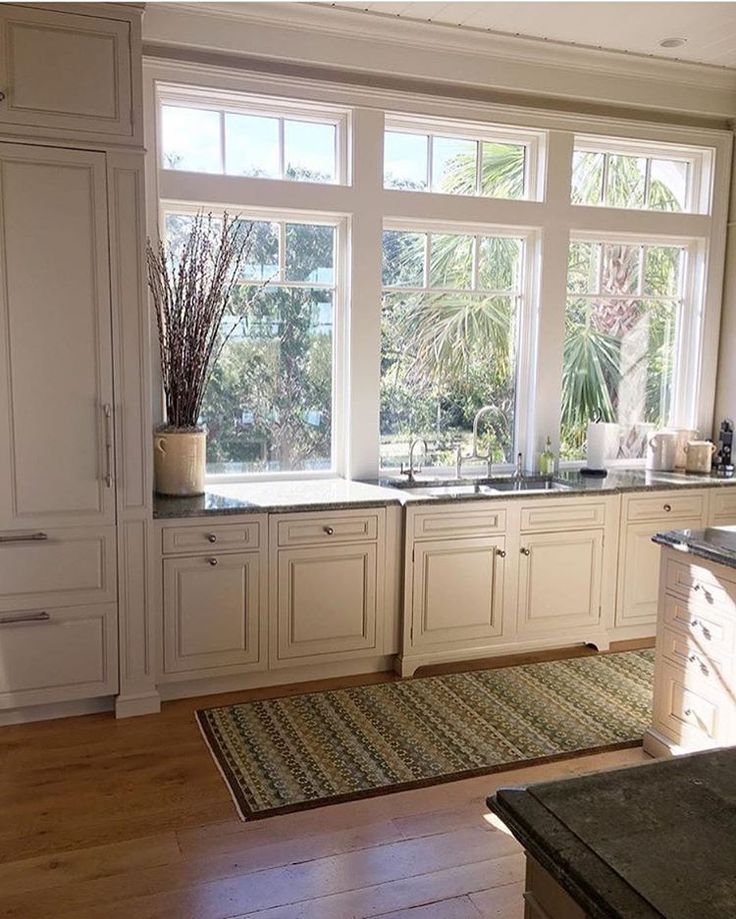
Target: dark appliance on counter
(723, 460)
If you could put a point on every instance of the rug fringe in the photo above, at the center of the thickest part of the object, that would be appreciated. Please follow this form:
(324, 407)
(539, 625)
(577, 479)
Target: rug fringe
(224, 778)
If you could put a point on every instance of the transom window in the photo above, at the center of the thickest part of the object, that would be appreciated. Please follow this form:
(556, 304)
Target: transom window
(623, 174)
(457, 159)
(623, 325)
(451, 307)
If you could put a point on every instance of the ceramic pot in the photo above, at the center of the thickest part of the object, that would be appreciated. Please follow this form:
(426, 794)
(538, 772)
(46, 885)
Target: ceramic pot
(683, 436)
(179, 462)
(662, 451)
(699, 456)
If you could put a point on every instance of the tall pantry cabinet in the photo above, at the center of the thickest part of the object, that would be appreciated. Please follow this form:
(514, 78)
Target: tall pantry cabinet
(75, 490)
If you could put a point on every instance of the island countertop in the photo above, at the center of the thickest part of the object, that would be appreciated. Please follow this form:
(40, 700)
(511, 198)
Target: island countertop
(715, 544)
(652, 840)
(343, 494)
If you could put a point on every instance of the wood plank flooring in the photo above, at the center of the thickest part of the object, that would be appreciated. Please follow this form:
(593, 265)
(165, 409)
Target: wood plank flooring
(131, 820)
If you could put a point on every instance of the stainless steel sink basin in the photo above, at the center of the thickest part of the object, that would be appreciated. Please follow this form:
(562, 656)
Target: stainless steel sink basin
(490, 487)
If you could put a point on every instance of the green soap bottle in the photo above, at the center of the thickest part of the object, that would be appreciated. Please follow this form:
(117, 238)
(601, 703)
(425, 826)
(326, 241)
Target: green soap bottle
(547, 459)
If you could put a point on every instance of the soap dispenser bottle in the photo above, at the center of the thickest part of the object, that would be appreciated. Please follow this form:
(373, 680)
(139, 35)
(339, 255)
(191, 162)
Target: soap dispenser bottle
(547, 460)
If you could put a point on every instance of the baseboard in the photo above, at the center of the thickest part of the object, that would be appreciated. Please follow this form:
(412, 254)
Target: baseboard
(659, 746)
(132, 706)
(57, 710)
(213, 685)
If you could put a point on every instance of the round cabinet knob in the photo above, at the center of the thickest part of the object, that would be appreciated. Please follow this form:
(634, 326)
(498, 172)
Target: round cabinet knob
(501, 553)
(525, 551)
(667, 508)
(212, 561)
(212, 537)
(329, 530)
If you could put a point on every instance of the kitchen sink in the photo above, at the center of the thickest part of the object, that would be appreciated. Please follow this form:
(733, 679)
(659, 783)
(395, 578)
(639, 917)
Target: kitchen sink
(488, 487)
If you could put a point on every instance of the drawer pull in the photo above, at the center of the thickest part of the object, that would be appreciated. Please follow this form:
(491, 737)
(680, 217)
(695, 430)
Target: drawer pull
(211, 537)
(25, 537)
(692, 658)
(107, 413)
(501, 553)
(41, 616)
(667, 508)
(696, 587)
(329, 530)
(525, 551)
(212, 561)
(2, 96)
(688, 712)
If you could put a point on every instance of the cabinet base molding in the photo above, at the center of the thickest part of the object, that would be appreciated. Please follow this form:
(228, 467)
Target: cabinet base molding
(130, 706)
(214, 685)
(660, 746)
(407, 665)
(57, 710)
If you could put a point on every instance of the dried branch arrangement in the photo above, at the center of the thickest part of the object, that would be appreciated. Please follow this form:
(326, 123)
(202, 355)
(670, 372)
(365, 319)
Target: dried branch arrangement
(191, 285)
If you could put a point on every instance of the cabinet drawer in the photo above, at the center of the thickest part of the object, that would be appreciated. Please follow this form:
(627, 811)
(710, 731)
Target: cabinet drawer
(211, 538)
(333, 528)
(691, 710)
(683, 650)
(562, 514)
(723, 504)
(430, 525)
(709, 631)
(666, 504)
(68, 567)
(700, 585)
(57, 655)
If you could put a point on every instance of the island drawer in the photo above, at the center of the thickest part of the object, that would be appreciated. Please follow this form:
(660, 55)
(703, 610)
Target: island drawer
(723, 505)
(563, 514)
(700, 584)
(196, 539)
(690, 710)
(320, 529)
(707, 628)
(466, 522)
(685, 651)
(666, 504)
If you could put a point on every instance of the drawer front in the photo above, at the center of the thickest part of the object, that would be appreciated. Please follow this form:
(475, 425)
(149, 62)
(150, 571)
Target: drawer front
(690, 710)
(211, 539)
(710, 632)
(433, 524)
(666, 504)
(68, 567)
(563, 514)
(322, 530)
(683, 650)
(723, 505)
(57, 655)
(700, 585)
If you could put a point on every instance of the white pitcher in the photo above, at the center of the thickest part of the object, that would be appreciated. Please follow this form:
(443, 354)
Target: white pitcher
(662, 451)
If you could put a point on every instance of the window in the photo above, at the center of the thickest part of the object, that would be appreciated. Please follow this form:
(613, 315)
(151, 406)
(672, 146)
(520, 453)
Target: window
(229, 137)
(451, 307)
(623, 325)
(269, 405)
(452, 159)
(630, 175)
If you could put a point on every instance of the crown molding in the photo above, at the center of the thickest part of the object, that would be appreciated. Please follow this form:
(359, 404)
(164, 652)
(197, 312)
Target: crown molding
(319, 34)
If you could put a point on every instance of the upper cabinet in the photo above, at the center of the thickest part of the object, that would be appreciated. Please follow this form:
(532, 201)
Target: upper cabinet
(66, 74)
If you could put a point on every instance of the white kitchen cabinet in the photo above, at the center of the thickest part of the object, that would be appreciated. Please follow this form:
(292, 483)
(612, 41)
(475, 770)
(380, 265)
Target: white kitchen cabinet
(638, 564)
(68, 74)
(457, 592)
(560, 577)
(56, 391)
(213, 614)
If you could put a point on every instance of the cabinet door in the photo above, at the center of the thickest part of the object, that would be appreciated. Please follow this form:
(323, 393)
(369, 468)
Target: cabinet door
(560, 581)
(65, 73)
(55, 349)
(638, 571)
(212, 614)
(326, 603)
(457, 592)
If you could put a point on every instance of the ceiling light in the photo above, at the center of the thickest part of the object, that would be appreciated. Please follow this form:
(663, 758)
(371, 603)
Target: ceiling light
(672, 42)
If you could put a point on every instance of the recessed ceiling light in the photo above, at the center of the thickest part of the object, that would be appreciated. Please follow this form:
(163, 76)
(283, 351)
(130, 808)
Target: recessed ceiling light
(672, 42)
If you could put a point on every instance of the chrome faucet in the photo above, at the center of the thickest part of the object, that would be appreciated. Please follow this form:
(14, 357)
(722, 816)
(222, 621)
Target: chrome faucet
(519, 468)
(476, 421)
(409, 473)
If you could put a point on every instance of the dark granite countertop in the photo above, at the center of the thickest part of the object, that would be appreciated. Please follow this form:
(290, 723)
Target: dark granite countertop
(716, 544)
(652, 840)
(341, 494)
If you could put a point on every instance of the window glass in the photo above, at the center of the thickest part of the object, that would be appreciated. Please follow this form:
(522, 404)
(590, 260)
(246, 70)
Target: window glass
(668, 185)
(262, 257)
(310, 253)
(625, 181)
(454, 165)
(190, 139)
(405, 161)
(502, 170)
(251, 146)
(309, 151)
(587, 177)
(621, 324)
(450, 348)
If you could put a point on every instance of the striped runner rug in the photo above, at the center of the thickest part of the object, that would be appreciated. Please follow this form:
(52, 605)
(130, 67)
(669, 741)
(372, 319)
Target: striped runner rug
(281, 755)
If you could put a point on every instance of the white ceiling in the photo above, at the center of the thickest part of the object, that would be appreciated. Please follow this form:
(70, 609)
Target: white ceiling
(638, 27)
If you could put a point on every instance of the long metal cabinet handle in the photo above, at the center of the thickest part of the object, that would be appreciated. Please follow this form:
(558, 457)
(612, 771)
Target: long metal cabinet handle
(24, 537)
(40, 616)
(107, 409)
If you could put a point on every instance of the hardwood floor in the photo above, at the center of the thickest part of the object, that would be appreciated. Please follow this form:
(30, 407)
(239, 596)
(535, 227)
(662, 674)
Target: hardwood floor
(105, 818)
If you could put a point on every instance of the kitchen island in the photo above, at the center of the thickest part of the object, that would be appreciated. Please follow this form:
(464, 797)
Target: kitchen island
(653, 840)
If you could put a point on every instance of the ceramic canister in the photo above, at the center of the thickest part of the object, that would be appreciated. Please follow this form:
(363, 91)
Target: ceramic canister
(699, 455)
(683, 436)
(662, 451)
